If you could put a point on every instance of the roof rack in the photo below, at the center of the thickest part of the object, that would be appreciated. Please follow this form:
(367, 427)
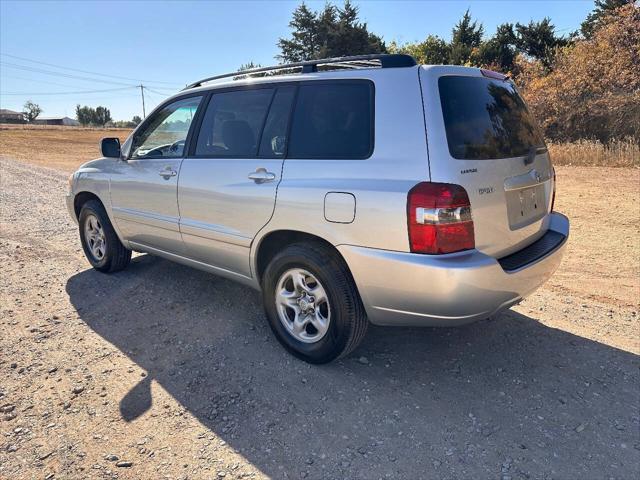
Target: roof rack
(383, 60)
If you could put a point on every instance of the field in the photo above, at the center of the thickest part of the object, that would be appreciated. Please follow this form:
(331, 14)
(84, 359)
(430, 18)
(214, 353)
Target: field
(175, 372)
(64, 148)
(622, 153)
(68, 147)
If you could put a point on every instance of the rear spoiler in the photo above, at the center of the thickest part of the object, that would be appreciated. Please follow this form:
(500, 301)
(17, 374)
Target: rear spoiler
(492, 74)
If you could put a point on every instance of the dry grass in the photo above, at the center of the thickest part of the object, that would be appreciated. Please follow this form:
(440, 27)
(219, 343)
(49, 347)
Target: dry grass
(64, 148)
(620, 153)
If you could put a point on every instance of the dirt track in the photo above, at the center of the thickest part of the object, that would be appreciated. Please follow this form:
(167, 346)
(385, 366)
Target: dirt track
(177, 372)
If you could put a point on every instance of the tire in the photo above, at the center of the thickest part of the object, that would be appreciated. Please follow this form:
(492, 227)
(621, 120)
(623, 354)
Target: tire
(113, 256)
(341, 304)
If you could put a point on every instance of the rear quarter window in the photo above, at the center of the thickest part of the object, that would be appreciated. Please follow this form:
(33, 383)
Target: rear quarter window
(486, 119)
(332, 121)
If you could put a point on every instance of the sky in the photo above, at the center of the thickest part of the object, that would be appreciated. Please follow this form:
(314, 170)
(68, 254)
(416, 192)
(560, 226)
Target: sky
(107, 48)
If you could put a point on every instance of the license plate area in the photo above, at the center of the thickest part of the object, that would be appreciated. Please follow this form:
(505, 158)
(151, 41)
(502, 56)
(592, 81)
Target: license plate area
(525, 206)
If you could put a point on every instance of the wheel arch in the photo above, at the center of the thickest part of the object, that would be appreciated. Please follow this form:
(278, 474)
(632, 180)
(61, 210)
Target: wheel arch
(273, 242)
(83, 197)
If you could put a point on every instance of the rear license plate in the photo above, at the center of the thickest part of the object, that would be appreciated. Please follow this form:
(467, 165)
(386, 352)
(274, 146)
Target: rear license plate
(526, 206)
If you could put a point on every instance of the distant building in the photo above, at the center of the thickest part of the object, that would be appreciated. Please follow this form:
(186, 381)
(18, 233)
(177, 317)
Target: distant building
(70, 122)
(9, 116)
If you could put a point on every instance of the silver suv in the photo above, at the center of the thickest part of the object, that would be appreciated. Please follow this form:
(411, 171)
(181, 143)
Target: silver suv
(349, 191)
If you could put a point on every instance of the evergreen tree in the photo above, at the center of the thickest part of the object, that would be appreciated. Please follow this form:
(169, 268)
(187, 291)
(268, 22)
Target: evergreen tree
(601, 11)
(500, 50)
(467, 36)
(332, 32)
(538, 40)
(248, 66)
(432, 51)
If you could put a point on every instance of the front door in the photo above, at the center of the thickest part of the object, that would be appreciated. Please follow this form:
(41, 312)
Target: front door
(144, 188)
(227, 187)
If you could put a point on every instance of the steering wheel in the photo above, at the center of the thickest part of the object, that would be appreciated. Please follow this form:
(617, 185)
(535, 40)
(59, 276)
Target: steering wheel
(175, 145)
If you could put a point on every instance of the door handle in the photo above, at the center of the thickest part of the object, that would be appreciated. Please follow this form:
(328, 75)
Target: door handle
(261, 175)
(168, 172)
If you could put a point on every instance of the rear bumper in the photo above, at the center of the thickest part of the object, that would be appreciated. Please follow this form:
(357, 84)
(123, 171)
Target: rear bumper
(421, 290)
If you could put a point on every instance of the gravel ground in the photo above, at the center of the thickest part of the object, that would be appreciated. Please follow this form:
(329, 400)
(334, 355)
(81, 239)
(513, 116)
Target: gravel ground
(161, 371)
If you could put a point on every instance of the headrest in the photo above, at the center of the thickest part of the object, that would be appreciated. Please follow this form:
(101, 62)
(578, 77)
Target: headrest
(238, 137)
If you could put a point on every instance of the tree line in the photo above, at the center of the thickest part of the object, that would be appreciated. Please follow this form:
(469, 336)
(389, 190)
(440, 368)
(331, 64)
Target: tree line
(562, 77)
(87, 116)
(98, 116)
(101, 116)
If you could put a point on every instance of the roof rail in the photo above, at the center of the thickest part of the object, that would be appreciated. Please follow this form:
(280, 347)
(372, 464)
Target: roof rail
(384, 60)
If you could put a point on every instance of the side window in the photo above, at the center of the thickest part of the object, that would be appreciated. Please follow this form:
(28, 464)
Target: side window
(332, 121)
(166, 132)
(274, 137)
(232, 123)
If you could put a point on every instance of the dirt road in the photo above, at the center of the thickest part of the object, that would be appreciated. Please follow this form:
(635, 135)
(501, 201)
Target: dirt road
(161, 371)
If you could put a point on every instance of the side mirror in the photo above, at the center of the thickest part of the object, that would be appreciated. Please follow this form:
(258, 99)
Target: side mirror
(110, 147)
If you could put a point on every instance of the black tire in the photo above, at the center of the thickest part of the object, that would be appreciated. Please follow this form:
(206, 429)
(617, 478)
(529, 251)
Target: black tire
(116, 255)
(348, 321)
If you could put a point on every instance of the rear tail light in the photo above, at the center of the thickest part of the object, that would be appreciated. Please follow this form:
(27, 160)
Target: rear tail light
(439, 217)
(553, 197)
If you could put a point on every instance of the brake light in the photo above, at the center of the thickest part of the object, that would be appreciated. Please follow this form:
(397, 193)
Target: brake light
(439, 218)
(553, 197)
(492, 74)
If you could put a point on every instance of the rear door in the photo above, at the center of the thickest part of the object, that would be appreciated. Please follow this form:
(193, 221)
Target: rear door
(227, 186)
(481, 136)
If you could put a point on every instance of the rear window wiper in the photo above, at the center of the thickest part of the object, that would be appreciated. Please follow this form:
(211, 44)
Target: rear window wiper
(533, 151)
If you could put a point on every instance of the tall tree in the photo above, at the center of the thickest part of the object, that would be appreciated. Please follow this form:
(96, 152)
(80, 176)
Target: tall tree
(84, 115)
(432, 51)
(248, 66)
(136, 120)
(602, 9)
(499, 51)
(303, 43)
(539, 40)
(332, 32)
(466, 36)
(102, 116)
(31, 111)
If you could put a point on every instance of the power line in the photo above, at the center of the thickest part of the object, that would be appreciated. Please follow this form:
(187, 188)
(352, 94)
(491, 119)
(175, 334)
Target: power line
(155, 91)
(66, 93)
(59, 74)
(86, 71)
(4, 75)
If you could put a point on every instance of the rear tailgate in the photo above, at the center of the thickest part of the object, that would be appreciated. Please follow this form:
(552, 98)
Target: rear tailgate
(481, 136)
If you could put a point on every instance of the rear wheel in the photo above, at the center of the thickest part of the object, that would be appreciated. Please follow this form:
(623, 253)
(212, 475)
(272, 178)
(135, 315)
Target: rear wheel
(101, 245)
(312, 303)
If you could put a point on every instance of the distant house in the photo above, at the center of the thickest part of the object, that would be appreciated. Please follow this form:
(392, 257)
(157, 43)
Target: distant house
(9, 116)
(70, 122)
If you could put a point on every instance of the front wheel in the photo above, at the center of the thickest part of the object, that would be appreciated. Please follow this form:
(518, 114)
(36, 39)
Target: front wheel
(101, 245)
(312, 303)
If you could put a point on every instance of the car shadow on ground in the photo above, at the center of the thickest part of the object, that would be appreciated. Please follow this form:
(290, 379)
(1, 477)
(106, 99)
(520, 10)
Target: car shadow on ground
(507, 396)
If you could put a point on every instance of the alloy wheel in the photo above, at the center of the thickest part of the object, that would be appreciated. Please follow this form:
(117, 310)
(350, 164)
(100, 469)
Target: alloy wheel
(303, 305)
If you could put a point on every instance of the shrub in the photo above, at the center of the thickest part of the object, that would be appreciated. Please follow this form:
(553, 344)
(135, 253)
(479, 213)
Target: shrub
(593, 91)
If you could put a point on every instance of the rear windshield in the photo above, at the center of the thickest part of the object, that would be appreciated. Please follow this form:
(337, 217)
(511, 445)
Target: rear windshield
(486, 119)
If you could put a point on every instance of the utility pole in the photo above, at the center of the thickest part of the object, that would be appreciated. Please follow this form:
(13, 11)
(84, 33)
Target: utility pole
(144, 114)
